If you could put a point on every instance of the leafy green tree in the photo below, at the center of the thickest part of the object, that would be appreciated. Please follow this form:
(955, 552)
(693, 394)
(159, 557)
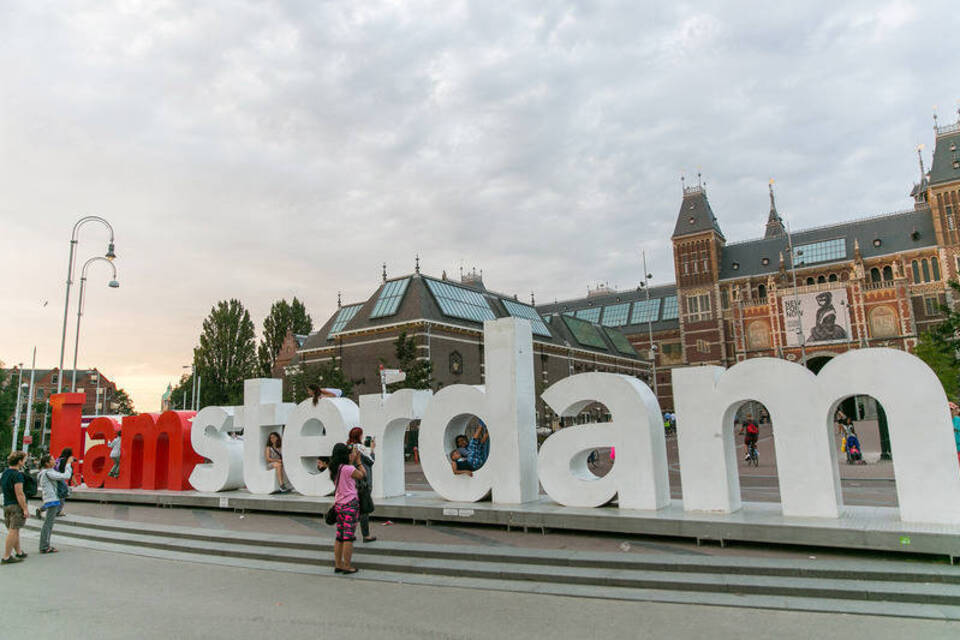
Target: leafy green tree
(124, 403)
(180, 394)
(227, 354)
(283, 317)
(325, 374)
(8, 404)
(938, 347)
(419, 372)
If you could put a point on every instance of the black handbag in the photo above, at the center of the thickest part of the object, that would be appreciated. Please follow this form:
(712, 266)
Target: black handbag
(331, 516)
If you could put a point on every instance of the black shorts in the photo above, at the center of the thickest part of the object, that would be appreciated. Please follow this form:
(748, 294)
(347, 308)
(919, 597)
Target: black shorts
(750, 438)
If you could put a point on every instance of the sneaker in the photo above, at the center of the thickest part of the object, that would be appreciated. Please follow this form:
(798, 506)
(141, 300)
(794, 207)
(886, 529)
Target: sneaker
(10, 560)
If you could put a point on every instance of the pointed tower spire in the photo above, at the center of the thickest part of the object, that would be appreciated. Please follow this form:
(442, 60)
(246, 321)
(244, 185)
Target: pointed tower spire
(774, 222)
(416, 263)
(339, 301)
(533, 300)
(384, 272)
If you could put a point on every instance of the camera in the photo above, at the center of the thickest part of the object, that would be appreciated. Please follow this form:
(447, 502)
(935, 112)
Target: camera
(367, 441)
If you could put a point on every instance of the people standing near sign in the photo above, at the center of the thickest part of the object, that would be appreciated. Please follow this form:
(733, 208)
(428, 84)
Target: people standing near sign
(115, 455)
(365, 486)
(14, 507)
(345, 469)
(50, 478)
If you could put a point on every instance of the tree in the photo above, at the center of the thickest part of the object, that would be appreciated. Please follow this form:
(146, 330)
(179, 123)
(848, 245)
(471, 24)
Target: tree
(938, 348)
(124, 403)
(283, 317)
(325, 374)
(8, 404)
(419, 372)
(180, 394)
(227, 354)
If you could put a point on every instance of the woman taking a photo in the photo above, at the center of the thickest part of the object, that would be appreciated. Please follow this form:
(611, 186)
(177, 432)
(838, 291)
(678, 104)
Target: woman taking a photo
(367, 457)
(345, 469)
(49, 478)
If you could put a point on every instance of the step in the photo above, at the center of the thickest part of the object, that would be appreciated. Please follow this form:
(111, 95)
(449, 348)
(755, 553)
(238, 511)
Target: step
(850, 610)
(481, 567)
(836, 569)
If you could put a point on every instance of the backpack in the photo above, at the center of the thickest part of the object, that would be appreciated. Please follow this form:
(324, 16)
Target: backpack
(752, 428)
(29, 485)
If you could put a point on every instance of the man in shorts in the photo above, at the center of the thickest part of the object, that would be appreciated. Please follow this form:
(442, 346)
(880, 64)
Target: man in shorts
(14, 507)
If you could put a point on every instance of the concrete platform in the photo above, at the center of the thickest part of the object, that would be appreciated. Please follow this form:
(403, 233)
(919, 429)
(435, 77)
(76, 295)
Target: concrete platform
(860, 528)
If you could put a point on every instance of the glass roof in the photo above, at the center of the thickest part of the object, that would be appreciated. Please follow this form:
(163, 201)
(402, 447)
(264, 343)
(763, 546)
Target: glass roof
(824, 251)
(344, 316)
(518, 310)
(390, 297)
(586, 333)
(458, 302)
(620, 341)
(645, 311)
(592, 314)
(671, 310)
(615, 315)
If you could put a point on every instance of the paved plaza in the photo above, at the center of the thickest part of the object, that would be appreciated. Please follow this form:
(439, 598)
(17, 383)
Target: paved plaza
(149, 598)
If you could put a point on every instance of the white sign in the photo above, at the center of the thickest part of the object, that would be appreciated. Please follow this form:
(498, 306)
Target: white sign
(823, 316)
(801, 407)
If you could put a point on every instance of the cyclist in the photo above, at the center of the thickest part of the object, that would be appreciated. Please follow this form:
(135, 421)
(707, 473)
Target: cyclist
(751, 433)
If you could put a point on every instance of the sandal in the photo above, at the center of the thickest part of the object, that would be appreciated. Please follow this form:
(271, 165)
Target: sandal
(22, 555)
(49, 550)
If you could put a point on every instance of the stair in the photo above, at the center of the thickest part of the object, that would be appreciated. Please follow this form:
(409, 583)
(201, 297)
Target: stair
(903, 589)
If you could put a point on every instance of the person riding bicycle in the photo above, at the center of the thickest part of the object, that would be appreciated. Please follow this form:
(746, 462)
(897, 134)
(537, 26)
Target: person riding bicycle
(751, 433)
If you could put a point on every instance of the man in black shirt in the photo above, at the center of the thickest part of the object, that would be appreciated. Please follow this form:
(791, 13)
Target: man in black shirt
(14, 506)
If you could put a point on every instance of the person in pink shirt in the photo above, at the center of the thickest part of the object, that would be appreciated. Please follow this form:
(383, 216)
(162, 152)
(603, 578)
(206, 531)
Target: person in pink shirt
(345, 469)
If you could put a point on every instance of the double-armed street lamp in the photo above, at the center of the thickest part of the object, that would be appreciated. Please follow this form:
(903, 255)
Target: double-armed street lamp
(653, 348)
(110, 255)
(113, 284)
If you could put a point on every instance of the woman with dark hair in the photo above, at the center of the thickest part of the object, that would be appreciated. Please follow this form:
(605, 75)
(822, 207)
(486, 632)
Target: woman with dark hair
(63, 488)
(319, 392)
(367, 458)
(273, 453)
(345, 469)
(49, 478)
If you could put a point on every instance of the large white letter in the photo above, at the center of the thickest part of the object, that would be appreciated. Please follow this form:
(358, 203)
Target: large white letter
(707, 399)
(263, 411)
(312, 431)
(639, 477)
(209, 438)
(386, 420)
(506, 405)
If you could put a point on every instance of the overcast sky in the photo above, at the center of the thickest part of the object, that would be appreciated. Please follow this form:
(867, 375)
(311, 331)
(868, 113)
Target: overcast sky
(264, 150)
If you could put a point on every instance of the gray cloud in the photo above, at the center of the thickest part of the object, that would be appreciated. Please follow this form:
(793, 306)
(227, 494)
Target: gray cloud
(264, 150)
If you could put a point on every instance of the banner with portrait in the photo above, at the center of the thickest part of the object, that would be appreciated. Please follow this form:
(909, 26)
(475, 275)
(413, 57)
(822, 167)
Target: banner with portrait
(824, 316)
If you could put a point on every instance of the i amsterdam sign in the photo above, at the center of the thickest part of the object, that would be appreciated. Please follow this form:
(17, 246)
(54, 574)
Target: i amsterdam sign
(179, 450)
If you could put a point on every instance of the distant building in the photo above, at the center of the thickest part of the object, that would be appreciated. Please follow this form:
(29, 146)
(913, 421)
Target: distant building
(100, 392)
(165, 399)
(870, 282)
(445, 319)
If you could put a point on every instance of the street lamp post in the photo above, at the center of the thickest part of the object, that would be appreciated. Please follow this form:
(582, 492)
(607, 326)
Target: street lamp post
(113, 284)
(16, 414)
(110, 255)
(33, 371)
(796, 299)
(653, 347)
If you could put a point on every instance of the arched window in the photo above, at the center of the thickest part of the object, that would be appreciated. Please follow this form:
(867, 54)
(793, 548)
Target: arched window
(761, 291)
(874, 275)
(809, 280)
(926, 271)
(916, 272)
(821, 279)
(832, 278)
(935, 266)
(887, 273)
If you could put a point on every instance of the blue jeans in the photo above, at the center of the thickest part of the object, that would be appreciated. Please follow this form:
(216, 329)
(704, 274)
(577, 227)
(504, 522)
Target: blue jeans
(47, 528)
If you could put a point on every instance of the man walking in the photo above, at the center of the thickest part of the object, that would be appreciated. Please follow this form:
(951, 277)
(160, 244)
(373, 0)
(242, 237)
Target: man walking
(14, 507)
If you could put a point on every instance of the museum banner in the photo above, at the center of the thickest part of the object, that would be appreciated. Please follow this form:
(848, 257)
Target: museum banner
(825, 317)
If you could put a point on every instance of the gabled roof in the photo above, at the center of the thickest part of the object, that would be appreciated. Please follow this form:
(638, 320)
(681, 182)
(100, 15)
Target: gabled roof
(695, 214)
(663, 320)
(896, 232)
(946, 155)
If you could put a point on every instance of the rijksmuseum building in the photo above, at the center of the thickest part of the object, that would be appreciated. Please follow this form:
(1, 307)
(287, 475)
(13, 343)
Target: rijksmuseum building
(805, 296)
